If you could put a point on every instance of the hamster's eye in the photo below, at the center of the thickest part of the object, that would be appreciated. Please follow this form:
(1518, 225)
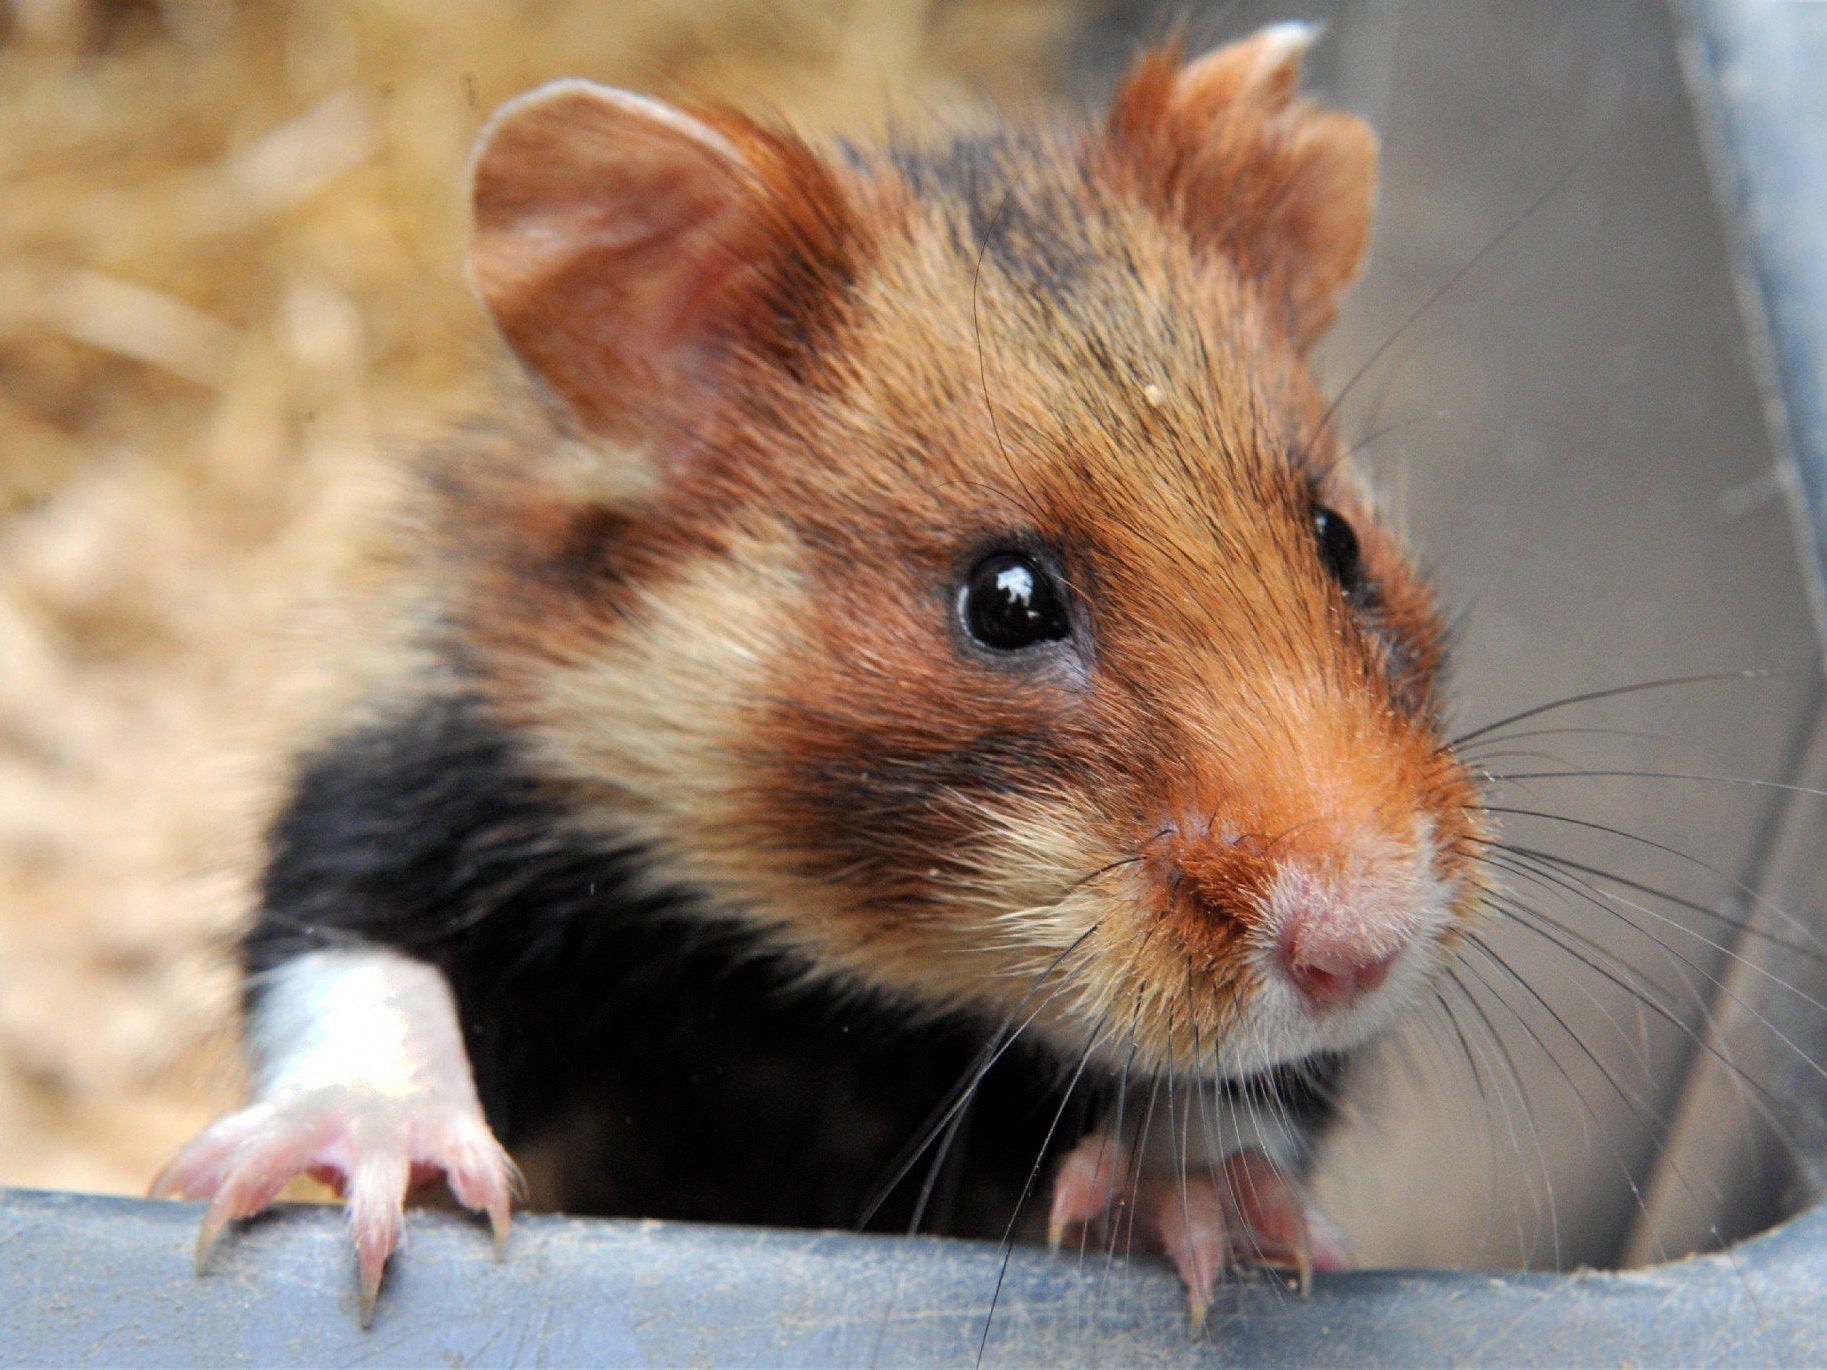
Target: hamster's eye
(1338, 549)
(1009, 602)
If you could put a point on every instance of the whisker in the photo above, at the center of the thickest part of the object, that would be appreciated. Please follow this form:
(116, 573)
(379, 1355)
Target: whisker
(1631, 1100)
(1678, 901)
(1148, 1118)
(1636, 734)
(1596, 898)
(1746, 781)
(1176, 1139)
(1008, 1236)
(1639, 1108)
(1116, 1134)
(1516, 1088)
(1533, 921)
(940, 1155)
(1135, 1156)
(1640, 991)
(1389, 429)
(1612, 692)
(1758, 900)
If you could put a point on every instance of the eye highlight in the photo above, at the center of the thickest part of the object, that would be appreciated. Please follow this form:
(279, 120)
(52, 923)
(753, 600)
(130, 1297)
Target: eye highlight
(1009, 601)
(1338, 549)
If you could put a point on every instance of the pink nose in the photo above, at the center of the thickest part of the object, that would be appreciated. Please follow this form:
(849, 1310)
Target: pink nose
(1332, 975)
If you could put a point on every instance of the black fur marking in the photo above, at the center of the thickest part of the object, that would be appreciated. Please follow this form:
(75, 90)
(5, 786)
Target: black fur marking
(587, 559)
(1029, 227)
(690, 1075)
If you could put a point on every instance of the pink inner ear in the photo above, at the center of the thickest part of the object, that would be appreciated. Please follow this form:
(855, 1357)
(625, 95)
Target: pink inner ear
(607, 228)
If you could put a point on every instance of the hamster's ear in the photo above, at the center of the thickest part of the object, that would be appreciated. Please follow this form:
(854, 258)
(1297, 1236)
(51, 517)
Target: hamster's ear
(1225, 145)
(618, 240)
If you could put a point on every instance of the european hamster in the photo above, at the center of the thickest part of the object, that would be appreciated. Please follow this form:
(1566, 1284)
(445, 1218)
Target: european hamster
(916, 653)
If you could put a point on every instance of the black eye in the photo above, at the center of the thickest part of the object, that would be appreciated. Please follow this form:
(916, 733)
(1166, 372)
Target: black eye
(1010, 602)
(1338, 549)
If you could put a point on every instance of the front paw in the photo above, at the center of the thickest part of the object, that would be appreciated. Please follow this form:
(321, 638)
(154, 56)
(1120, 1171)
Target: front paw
(1245, 1210)
(372, 1147)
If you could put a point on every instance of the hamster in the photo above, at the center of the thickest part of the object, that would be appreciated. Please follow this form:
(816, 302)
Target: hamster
(911, 680)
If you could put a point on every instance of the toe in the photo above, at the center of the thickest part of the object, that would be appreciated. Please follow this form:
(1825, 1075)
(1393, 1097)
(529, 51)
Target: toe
(369, 1150)
(199, 1170)
(477, 1169)
(376, 1202)
(1088, 1184)
(483, 1178)
(1273, 1223)
(247, 1181)
(1187, 1219)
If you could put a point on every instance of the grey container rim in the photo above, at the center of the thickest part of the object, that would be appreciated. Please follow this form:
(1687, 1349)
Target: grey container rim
(93, 1279)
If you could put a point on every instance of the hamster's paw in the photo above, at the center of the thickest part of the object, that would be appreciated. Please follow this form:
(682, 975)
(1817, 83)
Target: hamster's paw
(371, 1147)
(1245, 1210)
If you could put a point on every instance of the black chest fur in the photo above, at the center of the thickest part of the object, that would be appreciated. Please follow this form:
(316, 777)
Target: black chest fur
(679, 1070)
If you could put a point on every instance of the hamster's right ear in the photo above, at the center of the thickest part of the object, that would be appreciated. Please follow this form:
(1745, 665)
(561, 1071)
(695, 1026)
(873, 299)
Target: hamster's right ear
(1226, 146)
(618, 240)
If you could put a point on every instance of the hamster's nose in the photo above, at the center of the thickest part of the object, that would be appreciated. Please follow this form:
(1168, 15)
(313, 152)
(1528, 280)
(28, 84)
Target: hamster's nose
(1330, 974)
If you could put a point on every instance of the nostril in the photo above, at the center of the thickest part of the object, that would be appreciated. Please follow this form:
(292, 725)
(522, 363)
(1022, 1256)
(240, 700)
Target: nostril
(1318, 982)
(1374, 972)
(1332, 976)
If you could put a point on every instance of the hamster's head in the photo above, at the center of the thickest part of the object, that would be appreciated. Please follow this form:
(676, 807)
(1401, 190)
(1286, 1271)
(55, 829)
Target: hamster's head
(941, 560)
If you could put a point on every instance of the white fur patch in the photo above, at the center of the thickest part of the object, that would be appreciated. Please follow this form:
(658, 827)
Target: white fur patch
(359, 1019)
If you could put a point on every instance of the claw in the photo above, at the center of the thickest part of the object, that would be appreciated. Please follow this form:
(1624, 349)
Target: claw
(371, 1272)
(498, 1216)
(1197, 1306)
(376, 1201)
(373, 1246)
(208, 1234)
(485, 1181)
(1270, 1216)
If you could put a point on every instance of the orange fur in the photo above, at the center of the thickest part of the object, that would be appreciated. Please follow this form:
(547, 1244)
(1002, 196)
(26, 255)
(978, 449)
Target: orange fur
(860, 376)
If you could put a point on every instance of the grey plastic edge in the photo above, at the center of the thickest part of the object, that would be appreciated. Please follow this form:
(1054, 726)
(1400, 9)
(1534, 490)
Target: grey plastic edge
(95, 1280)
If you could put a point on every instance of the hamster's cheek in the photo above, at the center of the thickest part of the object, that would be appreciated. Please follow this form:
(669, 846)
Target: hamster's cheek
(889, 770)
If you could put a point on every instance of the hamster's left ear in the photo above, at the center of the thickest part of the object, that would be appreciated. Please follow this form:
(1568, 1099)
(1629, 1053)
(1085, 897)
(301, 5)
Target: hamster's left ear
(622, 243)
(1225, 146)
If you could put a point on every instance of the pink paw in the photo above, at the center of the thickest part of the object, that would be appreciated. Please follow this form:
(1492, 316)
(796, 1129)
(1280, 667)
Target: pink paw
(1248, 1212)
(372, 1147)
